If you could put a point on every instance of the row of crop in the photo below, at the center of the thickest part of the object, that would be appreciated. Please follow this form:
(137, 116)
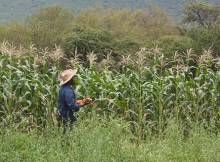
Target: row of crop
(150, 98)
(28, 93)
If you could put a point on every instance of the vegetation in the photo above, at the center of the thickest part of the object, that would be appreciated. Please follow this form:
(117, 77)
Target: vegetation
(203, 20)
(29, 87)
(205, 38)
(20, 9)
(202, 14)
(120, 31)
(165, 92)
(96, 138)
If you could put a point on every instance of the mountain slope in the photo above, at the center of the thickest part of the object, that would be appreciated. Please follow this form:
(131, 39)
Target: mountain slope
(20, 9)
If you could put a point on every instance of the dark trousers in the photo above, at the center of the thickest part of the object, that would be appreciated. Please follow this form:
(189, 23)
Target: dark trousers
(68, 121)
(66, 124)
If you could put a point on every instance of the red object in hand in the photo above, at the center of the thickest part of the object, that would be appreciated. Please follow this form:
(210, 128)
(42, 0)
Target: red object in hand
(88, 100)
(80, 102)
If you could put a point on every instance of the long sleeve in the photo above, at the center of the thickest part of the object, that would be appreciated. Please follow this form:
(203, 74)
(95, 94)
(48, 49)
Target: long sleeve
(71, 100)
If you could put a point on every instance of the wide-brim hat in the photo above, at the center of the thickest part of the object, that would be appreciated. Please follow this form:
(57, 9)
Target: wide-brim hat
(67, 75)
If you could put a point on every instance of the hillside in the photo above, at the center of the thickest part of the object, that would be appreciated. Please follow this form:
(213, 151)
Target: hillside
(20, 9)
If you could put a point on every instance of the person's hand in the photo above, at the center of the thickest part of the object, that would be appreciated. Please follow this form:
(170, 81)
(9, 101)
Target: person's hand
(80, 102)
(84, 104)
(88, 100)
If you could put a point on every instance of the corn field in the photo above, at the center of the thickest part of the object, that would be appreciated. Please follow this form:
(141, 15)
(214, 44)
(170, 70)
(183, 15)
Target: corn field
(148, 90)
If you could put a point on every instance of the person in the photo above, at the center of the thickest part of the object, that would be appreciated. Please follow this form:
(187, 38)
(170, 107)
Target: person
(67, 99)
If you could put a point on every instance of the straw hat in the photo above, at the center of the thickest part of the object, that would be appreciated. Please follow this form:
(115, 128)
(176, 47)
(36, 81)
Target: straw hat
(67, 75)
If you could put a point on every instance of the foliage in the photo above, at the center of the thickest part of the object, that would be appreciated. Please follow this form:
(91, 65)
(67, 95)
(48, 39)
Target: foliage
(16, 33)
(28, 87)
(203, 26)
(137, 25)
(142, 94)
(17, 10)
(49, 25)
(100, 42)
(121, 32)
(205, 38)
(144, 87)
(98, 138)
(44, 29)
(172, 44)
(3, 30)
(201, 13)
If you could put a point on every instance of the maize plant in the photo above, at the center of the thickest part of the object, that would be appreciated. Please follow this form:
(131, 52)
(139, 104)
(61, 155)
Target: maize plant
(141, 93)
(25, 91)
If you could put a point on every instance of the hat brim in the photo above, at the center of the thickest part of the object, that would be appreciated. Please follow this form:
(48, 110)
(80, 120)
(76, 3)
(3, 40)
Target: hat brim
(70, 77)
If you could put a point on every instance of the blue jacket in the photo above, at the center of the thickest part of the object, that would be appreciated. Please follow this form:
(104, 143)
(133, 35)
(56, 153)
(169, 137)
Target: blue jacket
(67, 103)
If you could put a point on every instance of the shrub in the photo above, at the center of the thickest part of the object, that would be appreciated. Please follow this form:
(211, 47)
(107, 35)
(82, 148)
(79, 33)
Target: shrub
(17, 33)
(100, 41)
(201, 13)
(138, 25)
(204, 38)
(49, 25)
(171, 44)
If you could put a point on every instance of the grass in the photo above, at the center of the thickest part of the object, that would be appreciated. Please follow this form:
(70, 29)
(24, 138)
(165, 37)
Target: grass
(28, 97)
(97, 138)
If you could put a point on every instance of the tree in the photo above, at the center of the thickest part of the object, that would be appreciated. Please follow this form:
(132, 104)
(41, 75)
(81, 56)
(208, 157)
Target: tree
(205, 38)
(49, 25)
(201, 13)
(101, 42)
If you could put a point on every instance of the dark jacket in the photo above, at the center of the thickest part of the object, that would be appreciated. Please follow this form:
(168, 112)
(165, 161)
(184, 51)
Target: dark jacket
(67, 103)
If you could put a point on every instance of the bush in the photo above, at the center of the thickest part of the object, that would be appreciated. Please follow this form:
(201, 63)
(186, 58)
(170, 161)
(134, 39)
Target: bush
(3, 30)
(204, 38)
(201, 13)
(171, 44)
(100, 41)
(49, 25)
(16, 33)
(139, 25)
(102, 31)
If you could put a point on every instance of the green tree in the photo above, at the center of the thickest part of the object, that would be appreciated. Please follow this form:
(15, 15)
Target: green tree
(100, 42)
(49, 25)
(204, 38)
(140, 25)
(172, 44)
(15, 33)
(201, 13)
(203, 26)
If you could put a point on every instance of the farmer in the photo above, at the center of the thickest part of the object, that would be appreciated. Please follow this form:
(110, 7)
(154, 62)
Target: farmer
(67, 99)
